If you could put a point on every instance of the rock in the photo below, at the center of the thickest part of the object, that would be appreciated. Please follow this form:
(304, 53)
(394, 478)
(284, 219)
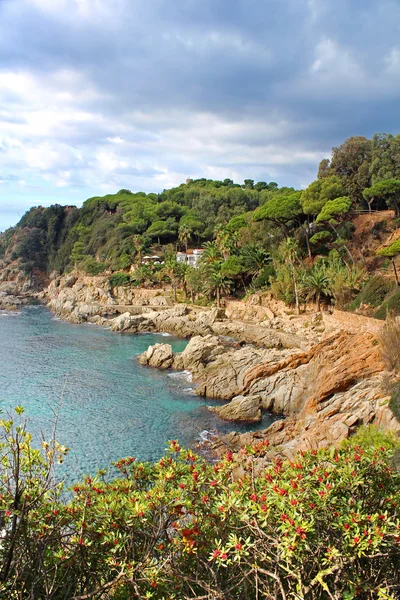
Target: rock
(199, 352)
(126, 322)
(159, 356)
(240, 408)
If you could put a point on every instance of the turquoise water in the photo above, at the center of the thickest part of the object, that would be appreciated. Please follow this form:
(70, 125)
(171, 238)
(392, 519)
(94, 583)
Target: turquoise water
(109, 405)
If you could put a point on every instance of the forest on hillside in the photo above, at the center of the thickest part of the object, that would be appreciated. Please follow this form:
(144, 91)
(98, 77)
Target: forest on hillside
(298, 243)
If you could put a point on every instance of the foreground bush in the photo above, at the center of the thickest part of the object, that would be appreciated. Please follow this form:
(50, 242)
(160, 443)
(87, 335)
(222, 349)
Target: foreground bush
(325, 525)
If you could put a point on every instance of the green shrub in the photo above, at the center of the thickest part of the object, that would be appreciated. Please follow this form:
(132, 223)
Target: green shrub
(119, 280)
(91, 266)
(394, 403)
(370, 436)
(263, 279)
(183, 528)
(373, 292)
(390, 306)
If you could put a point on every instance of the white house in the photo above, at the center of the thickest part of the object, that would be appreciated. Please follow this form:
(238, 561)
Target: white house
(191, 257)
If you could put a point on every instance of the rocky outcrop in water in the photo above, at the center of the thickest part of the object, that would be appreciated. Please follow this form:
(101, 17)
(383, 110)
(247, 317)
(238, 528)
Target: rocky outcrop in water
(159, 356)
(325, 392)
(241, 409)
(259, 359)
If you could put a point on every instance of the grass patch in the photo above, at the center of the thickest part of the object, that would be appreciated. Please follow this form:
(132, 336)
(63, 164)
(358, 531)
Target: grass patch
(390, 306)
(373, 293)
(394, 403)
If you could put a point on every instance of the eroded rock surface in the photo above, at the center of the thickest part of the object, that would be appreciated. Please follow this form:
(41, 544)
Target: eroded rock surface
(240, 408)
(159, 356)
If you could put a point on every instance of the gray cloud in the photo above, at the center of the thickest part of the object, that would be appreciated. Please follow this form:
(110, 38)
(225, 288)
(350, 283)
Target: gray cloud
(97, 95)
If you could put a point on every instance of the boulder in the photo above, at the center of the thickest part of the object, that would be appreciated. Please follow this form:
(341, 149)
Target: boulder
(240, 408)
(199, 352)
(126, 322)
(159, 356)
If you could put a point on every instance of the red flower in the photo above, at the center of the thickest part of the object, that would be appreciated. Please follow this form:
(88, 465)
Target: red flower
(182, 486)
(346, 526)
(213, 483)
(294, 502)
(216, 553)
(356, 540)
(238, 546)
(253, 497)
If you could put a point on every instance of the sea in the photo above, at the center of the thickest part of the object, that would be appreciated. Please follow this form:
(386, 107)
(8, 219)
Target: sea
(84, 383)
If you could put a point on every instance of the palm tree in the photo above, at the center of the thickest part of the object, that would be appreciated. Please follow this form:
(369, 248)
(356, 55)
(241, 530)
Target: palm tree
(254, 259)
(316, 283)
(225, 240)
(290, 250)
(181, 271)
(171, 269)
(216, 283)
(139, 243)
(184, 235)
(211, 253)
(143, 275)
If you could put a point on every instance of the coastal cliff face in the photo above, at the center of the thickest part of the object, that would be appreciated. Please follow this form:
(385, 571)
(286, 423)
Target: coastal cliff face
(323, 374)
(325, 393)
(16, 288)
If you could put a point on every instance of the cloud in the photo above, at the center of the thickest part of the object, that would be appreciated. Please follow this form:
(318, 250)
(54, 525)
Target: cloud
(97, 95)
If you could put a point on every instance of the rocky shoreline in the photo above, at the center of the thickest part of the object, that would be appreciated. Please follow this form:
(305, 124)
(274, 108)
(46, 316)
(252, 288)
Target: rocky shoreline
(325, 381)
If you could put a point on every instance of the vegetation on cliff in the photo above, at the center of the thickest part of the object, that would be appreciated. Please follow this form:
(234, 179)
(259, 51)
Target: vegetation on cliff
(244, 229)
(325, 525)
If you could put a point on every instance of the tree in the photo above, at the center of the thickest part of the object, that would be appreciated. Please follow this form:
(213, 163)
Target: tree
(385, 162)
(78, 252)
(211, 253)
(334, 210)
(319, 192)
(333, 213)
(216, 282)
(254, 259)
(392, 252)
(225, 240)
(389, 190)
(324, 168)
(194, 281)
(163, 229)
(351, 162)
(172, 271)
(261, 185)
(280, 210)
(249, 183)
(140, 243)
(184, 235)
(315, 284)
(290, 251)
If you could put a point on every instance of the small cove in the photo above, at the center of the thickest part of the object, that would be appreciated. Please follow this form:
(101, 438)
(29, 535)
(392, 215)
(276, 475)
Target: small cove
(110, 406)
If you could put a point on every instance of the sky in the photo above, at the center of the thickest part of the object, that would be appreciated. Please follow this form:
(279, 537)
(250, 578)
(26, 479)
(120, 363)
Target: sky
(99, 95)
